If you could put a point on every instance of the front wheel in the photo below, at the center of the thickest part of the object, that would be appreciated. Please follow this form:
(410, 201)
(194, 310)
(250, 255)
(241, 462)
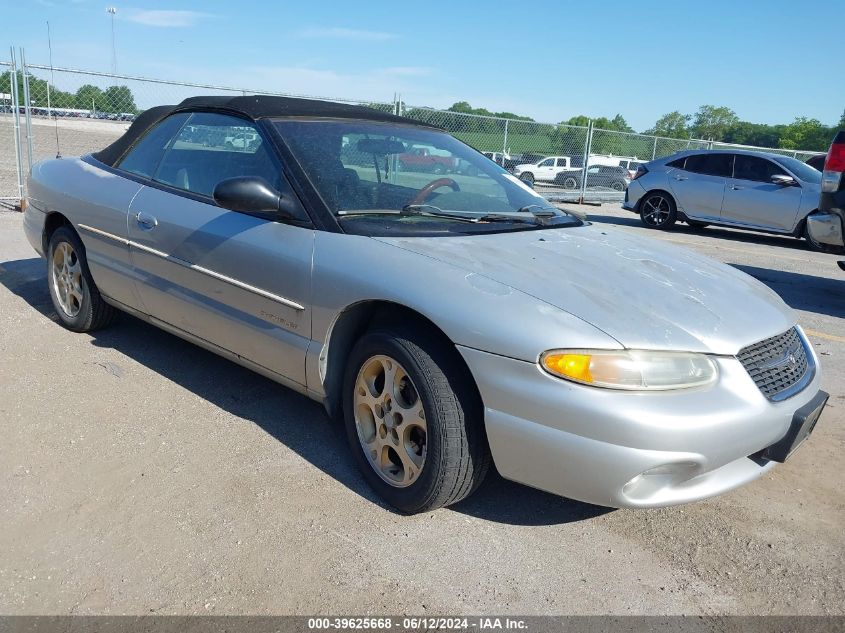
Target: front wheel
(414, 426)
(527, 178)
(75, 296)
(658, 210)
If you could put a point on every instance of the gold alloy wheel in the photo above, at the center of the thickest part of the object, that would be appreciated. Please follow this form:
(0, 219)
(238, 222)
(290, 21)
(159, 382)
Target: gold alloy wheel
(66, 276)
(390, 421)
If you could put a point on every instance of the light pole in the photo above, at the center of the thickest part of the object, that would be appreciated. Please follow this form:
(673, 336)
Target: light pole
(112, 11)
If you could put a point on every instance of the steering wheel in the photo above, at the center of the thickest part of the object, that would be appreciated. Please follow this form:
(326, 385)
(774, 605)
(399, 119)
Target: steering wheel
(426, 191)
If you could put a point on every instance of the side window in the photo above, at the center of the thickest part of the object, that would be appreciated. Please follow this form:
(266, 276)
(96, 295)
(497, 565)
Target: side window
(144, 157)
(711, 164)
(755, 168)
(562, 162)
(212, 147)
(549, 162)
(678, 163)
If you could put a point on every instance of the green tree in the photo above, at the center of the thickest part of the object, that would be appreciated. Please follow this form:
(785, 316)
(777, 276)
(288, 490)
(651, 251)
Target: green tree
(804, 133)
(673, 124)
(581, 120)
(712, 122)
(91, 97)
(120, 99)
(620, 124)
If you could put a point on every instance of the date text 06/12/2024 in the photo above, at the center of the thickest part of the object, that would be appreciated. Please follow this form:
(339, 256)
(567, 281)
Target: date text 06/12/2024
(416, 623)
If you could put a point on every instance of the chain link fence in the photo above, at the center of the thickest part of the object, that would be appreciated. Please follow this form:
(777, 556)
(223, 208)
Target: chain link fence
(72, 112)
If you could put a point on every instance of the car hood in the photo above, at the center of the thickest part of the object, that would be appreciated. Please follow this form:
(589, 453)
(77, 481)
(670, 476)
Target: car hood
(642, 292)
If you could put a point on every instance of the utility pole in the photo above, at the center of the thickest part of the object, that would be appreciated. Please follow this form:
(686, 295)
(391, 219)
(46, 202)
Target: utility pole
(112, 11)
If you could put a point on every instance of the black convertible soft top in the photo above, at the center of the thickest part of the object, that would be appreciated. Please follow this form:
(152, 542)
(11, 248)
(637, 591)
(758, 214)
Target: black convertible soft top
(252, 106)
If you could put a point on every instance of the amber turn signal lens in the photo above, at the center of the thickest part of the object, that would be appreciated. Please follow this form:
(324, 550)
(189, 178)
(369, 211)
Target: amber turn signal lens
(574, 366)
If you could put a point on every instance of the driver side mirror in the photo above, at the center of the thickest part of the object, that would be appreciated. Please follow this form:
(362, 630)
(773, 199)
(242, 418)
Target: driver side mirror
(784, 181)
(249, 194)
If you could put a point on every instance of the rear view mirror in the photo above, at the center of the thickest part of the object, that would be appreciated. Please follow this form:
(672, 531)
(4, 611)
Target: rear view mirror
(249, 195)
(380, 146)
(784, 181)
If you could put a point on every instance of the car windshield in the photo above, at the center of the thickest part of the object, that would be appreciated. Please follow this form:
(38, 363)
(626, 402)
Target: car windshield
(388, 178)
(802, 170)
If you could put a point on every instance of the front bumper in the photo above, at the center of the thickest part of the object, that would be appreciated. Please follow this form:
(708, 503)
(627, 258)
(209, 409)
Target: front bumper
(621, 449)
(826, 228)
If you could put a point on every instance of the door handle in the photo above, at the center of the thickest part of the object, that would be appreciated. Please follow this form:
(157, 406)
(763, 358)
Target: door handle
(735, 188)
(145, 220)
(680, 177)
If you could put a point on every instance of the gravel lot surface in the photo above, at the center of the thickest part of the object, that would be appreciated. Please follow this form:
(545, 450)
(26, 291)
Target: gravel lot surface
(140, 474)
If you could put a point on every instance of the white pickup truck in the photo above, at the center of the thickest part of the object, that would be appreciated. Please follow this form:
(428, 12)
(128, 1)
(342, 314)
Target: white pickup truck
(547, 169)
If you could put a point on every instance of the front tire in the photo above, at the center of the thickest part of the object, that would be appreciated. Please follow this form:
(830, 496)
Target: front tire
(75, 296)
(658, 210)
(413, 424)
(528, 178)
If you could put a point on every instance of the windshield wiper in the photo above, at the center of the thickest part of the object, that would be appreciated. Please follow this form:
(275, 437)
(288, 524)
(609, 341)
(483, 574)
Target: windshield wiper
(522, 216)
(428, 210)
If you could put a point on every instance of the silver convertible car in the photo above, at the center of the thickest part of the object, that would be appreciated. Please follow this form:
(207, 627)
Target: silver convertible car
(449, 320)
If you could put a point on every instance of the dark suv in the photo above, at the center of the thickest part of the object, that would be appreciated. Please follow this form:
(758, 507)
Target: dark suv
(829, 223)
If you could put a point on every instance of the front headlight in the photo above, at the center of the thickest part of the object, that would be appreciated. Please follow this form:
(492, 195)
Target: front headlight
(634, 370)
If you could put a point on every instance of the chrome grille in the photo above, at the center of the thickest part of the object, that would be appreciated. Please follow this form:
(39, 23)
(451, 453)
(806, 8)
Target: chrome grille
(776, 364)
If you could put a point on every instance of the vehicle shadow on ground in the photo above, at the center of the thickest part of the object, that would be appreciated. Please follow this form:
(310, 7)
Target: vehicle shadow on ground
(296, 421)
(809, 293)
(780, 241)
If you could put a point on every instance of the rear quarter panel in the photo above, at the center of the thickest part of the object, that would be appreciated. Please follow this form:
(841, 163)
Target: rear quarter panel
(89, 196)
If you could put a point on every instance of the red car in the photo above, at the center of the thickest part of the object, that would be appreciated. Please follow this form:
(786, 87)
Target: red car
(422, 159)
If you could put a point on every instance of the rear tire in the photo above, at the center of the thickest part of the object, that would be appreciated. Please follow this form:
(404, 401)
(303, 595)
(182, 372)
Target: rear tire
(74, 294)
(413, 424)
(658, 210)
(570, 183)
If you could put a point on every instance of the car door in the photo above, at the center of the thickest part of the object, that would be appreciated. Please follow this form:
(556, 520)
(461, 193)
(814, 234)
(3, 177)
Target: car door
(699, 185)
(561, 165)
(546, 170)
(752, 198)
(241, 282)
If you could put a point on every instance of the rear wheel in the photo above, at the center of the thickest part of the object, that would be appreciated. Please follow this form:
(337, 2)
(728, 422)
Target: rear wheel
(570, 182)
(617, 185)
(658, 210)
(414, 427)
(75, 296)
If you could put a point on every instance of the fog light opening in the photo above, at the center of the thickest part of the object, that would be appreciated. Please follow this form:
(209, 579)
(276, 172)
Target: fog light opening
(651, 481)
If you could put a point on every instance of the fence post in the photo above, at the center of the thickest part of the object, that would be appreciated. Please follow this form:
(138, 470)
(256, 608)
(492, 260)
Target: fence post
(505, 144)
(27, 110)
(587, 146)
(654, 149)
(16, 122)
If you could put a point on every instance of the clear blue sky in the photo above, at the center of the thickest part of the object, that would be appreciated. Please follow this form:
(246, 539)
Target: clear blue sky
(769, 60)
